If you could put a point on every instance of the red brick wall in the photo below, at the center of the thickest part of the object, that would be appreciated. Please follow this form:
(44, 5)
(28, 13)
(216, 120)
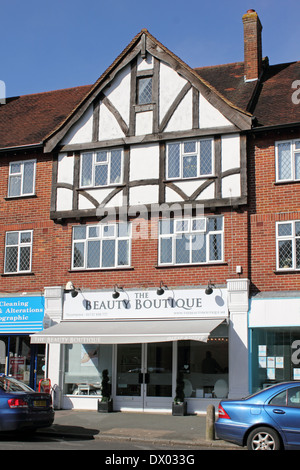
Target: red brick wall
(270, 202)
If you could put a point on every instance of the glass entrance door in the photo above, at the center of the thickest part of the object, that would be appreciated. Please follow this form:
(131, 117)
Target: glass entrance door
(144, 374)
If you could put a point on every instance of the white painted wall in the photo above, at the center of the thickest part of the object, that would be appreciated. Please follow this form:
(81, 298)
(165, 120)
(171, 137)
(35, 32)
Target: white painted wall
(64, 199)
(182, 118)
(231, 186)
(143, 195)
(120, 88)
(65, 168)
(230, 145)
(170, 85)
(210, 116)
(108, 125)
(82, 130)
(144, 162)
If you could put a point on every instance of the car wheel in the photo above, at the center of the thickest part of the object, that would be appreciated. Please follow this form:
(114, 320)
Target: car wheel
(263, 439)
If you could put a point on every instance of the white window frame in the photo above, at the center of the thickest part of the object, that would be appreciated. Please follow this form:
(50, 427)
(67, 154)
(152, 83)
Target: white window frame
(101, 238)
(96, 164)
(188, 229)
(19, 245)
(183, 154)
(21, 175)
(293, 151)
(292, 237)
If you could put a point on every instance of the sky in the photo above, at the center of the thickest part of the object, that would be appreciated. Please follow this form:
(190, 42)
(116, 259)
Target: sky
(52, 44)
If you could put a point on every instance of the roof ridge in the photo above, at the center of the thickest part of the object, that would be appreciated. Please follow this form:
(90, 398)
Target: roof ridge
(219, 65)
(51, 91)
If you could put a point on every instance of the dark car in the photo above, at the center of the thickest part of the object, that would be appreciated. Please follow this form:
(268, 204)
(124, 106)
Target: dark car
(267, 420)
(23, 408)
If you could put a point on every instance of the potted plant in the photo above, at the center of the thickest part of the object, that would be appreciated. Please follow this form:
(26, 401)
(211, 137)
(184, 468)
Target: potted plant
(105, 404)
(179, 405)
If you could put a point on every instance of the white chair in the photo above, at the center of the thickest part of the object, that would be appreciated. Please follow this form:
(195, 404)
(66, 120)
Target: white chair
(220, 389)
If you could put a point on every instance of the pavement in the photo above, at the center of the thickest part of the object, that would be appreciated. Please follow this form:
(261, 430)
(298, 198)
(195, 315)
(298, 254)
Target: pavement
(159, 428)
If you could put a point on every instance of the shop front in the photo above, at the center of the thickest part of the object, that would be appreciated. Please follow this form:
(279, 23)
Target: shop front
(20, 317)
(145, 340)
(274, 339)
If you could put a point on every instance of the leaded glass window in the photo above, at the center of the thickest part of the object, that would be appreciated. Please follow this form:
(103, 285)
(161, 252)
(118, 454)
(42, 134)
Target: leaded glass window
(190, 159)
(21, 181)
(18, 251)
(288, 160)
(288, 245)
(144, 90)
(101, 168)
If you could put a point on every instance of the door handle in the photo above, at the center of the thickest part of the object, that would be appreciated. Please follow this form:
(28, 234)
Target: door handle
(144, 378)
(278, 412)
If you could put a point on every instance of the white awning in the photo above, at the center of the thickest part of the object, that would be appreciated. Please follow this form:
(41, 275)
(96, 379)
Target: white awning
(130, 331)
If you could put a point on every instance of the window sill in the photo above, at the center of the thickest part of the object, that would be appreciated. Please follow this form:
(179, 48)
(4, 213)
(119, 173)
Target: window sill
(17, 274)
(113, 185)
(286, 271)
(196, 265)
(141, 108)
(25, 196)
(279, 183)
(195, 178)
(93, 270)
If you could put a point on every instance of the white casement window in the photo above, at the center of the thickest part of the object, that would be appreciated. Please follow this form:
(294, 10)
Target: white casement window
(287, 160)
(190, 159)
(191, 241)
(288, 245)
(18, 252)
(101, 246)
(21, 180)
(101, 168)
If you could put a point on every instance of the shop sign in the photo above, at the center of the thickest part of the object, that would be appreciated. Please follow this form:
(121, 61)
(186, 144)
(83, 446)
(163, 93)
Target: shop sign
(21, 314)
(185, 303)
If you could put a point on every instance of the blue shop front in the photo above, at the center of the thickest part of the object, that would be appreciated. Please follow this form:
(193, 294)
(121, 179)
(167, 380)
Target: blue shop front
(21, 316)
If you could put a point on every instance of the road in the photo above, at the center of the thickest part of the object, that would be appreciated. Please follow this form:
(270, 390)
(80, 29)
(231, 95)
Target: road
(50, 443)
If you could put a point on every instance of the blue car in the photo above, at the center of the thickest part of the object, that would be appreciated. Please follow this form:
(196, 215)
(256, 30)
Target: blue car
(23, 408)
(266, 420)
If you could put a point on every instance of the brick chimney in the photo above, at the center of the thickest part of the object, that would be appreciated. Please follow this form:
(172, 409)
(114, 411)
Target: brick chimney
(252, 46)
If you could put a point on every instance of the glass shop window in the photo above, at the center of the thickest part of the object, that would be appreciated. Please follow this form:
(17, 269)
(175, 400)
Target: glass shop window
(204, 366)
(84, 364)
(275, 356)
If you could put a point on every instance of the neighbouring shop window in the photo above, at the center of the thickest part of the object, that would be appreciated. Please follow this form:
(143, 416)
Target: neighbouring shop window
(22, 360)
(191, 241)
(275, 356)
(205, 365)
(84, 364)
(101, 246)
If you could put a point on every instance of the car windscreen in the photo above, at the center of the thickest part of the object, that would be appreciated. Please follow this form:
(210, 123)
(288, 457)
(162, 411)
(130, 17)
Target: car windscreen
(9, 384)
